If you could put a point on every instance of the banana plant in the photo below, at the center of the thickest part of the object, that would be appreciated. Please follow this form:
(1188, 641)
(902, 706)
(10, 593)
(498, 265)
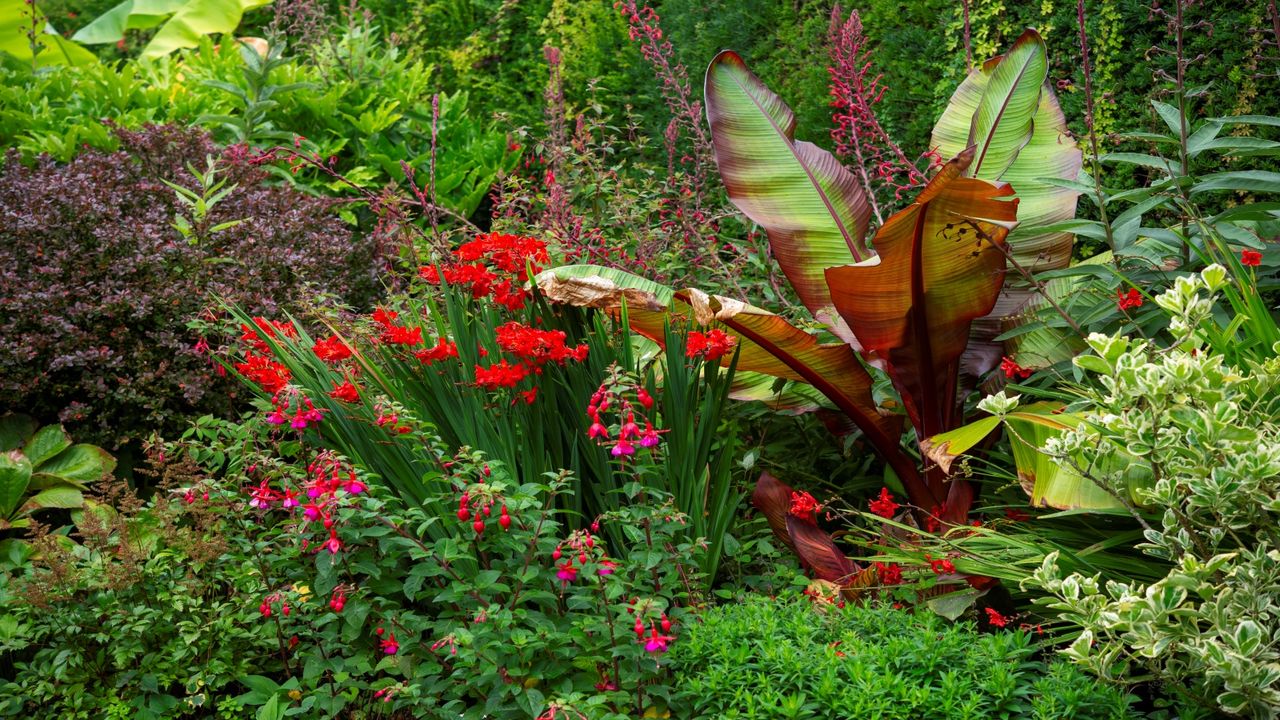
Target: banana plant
(42, 469)
(904, 302)
(181, 23)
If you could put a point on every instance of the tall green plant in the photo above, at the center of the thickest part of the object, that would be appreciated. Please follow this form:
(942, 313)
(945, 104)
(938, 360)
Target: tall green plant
(904, 304)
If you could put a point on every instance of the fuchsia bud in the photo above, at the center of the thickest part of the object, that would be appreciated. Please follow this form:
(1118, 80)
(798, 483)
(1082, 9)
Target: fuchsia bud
(464, 514)
(555, 554)
(478, 526)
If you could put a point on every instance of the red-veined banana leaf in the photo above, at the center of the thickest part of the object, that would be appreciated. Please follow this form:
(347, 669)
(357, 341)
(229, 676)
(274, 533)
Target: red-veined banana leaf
(767, 343)
(811, 207)
(815, 548)
(941, 264)
(1008, 112)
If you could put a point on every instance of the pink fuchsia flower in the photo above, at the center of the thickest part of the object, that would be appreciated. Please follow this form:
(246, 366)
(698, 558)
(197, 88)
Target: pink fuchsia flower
(262, 496)
(598, 431)
(567, 572)
(276, 418)
(354, 485)
(650, 437)
(624, 447)
(333, 544)
(655, 643)
(607, 567)
(311, 511)
(299, 422)
(290, 499)
(389, 644)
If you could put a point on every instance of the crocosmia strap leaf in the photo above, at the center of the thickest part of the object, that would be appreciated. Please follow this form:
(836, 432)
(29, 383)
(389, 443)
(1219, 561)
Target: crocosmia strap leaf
(1006, 109)
(811, 207)
(941, 265)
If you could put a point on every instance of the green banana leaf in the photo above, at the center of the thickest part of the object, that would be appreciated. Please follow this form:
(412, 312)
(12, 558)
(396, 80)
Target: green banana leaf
(16, 22)
(182, 23)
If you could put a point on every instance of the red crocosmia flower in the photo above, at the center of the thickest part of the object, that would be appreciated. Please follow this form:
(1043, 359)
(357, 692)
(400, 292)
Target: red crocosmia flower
(711, 345)
(1013, 370)
(883, 505)
(1250, 258)
(401, 335)
(331, 349)
(940, 566)
(804, 507)
(430, 273)
(529, 396)
(1129, 300)
(501, 375)
(1016, 515)
(995, 618)
(346, 392)
(384, 317)
(889, 573)
(269, 328)
(267, 373)
(442, 350)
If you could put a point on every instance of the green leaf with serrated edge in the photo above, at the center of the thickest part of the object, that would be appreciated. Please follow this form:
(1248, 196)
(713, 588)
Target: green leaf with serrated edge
(47, 442)
(80, 463)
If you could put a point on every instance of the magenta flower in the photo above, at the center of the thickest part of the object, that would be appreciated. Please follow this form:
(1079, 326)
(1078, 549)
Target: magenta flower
(333, 545)
(567, 572)
(598, 431)
(606, 567)
(624, 447)
(290, 499)
(299, 422)
(650, 437)
(276, 418)
(311, 511)
(656, 643)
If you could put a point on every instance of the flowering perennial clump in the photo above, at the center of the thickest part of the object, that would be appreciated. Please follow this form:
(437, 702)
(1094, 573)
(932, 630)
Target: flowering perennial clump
(493, 265)
(615, 418)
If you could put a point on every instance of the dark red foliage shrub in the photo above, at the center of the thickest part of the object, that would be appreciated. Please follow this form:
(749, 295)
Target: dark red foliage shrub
(97, 287)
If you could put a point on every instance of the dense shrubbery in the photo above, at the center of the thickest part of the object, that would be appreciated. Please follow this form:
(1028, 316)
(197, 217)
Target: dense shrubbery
(99, 286)
(770, 658)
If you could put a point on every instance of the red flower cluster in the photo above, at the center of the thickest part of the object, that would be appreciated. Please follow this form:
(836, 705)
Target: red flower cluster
(331, 349)
(711, 345)
(1129, 300)
(995, 618)
(269, 328)
(884, 506)
(443, 350)
(501, 375)
(270, 375)
(804, 507)
(940, 566)
(394, 334)
(493, 264)
(1250, 258)
(537, 347)
(889, 573)
(1013, 370)
(346, 392)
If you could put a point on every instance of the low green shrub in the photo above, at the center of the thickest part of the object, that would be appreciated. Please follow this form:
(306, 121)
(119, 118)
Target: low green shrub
(295, 586)
(790, 658)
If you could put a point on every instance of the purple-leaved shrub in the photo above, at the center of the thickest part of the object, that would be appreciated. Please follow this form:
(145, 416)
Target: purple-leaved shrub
(97, 285)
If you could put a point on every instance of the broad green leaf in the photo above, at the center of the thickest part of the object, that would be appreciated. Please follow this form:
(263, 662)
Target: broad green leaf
(15, 473)
(47, 442)
(182, 23)
(941, 265)
(954, 604)
(14, 431)
(785, 396)
(59, 496)
(16, 22)
(1047, 481)
(1007, 105)
(945, 448)
(80, 463)
(812, 208)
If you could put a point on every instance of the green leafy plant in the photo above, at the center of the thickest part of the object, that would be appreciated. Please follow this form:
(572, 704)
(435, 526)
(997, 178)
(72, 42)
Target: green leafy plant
(41, 469)
(179, 23)
(1205, 509)
(27, 36)
(787, 658)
